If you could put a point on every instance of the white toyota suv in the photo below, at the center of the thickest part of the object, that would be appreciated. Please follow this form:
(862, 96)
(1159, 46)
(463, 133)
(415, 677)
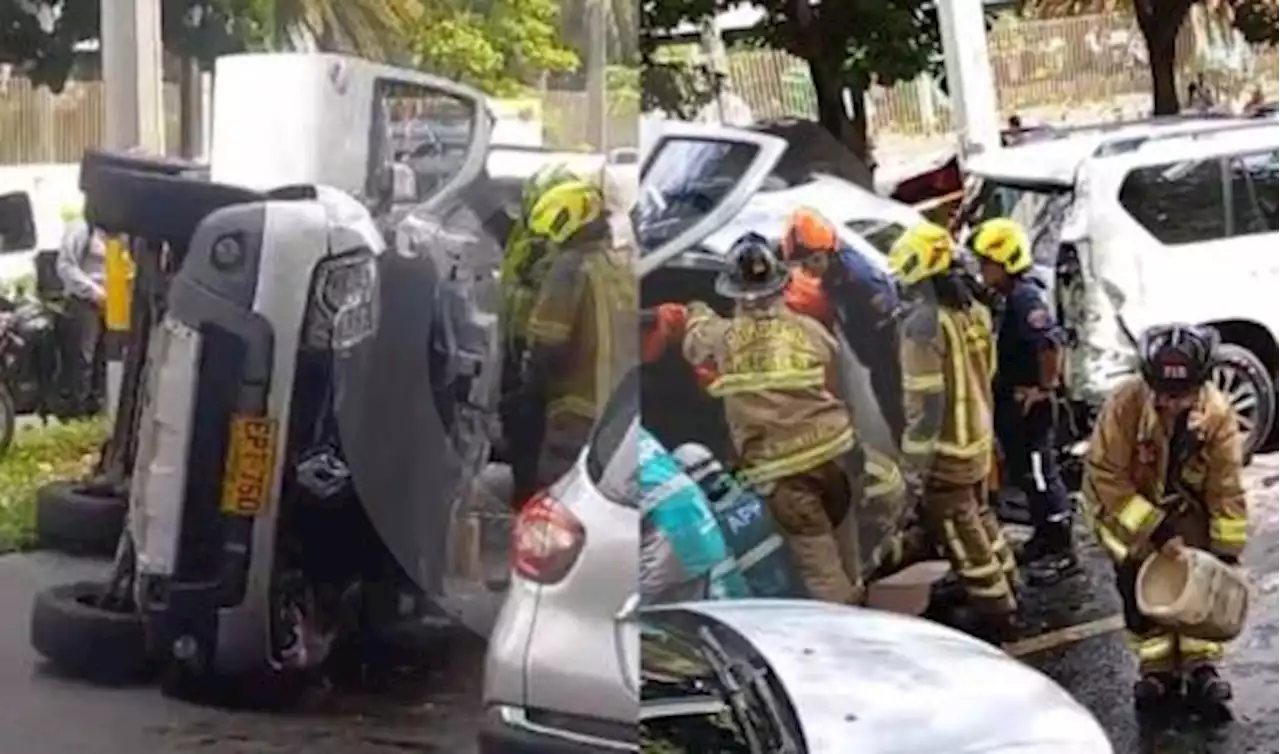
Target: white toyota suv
(1152, 223)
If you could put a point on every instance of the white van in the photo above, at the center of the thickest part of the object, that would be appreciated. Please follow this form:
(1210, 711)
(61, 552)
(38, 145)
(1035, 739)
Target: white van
(32, 200)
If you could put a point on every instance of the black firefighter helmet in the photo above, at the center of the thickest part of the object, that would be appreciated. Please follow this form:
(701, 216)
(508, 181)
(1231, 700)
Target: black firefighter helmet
(1176, 359)
(752, 270)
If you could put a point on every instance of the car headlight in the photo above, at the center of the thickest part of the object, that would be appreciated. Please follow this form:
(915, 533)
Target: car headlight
(344, 302)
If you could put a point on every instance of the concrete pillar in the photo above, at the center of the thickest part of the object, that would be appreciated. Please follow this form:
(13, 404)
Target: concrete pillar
(132, 77)
(132, 74)
(974, 108)
(597, 83)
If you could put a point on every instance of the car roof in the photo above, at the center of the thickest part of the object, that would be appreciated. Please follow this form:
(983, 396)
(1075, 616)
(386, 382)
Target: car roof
(877, 682)
(837, 199)
(1054, 161)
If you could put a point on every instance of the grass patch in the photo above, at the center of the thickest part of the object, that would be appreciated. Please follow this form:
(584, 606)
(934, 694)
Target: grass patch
(40, 455)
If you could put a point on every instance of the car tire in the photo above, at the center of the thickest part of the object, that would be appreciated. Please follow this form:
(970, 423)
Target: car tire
(8, 419)
(1238, 373)
(80, 638)
(74, 520)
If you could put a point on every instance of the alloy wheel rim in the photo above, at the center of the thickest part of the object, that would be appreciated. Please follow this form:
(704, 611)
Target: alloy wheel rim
(1242, 395)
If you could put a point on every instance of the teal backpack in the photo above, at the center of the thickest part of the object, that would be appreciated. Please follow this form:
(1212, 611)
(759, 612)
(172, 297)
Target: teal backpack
(675, 507)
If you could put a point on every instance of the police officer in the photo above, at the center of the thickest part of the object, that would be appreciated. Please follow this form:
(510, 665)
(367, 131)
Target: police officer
(1163, 473)
(1028, 372)
(582, 328)
(836, 284)
(794, 438)
(524, 266)
(947, 365)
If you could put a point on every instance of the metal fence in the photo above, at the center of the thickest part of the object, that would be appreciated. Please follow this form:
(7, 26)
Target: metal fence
(1049, 63)
(38, 126)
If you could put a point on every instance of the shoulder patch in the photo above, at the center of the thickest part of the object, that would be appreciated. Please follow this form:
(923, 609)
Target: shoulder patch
(1038, 318)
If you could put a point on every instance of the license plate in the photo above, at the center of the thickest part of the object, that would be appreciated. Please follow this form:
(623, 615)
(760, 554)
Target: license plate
(251, 462)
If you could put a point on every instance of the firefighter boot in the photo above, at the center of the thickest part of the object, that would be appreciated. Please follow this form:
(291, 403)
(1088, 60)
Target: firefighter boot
(1157, 693)
(1055, 558)
(1208, 694)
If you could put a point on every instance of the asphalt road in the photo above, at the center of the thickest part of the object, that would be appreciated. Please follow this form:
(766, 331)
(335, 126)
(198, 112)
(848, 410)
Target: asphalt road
(1076, 641)
(436, 711)
(1085, 651)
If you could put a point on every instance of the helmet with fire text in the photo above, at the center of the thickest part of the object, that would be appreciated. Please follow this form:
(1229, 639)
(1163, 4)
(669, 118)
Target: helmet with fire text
(1177, 359)
(753, 271)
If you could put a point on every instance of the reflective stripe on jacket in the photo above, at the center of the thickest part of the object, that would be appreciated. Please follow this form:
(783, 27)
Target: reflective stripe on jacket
(525, 263)
(586, 310)
(1124, 482)
(773, 369)
(948, 360)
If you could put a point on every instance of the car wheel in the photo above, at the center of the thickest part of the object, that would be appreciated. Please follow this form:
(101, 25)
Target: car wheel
(79, 637)
(1243, 379)
(72, 519)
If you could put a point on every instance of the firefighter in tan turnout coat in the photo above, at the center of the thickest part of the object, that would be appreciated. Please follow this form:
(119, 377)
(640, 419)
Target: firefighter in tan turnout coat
(793, 437)
(948, 361)
(1164, 473)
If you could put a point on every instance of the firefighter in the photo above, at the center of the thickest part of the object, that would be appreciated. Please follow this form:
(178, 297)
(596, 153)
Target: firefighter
(794, 438)
(1028, 373)
(581, 324)
(834, 283)
(524, 265)
(1163, 473)
(947, 363)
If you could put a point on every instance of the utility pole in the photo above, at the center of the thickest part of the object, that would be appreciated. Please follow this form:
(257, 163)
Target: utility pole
(132, 77)
(132, 74)
(597, 83)
(974, 107)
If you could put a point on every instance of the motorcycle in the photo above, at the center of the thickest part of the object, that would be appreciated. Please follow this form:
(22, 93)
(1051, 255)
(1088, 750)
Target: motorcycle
(34, 369)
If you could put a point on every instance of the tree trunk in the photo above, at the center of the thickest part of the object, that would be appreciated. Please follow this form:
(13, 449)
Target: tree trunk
(1162, 51)
(851, 133)
(1160, 21)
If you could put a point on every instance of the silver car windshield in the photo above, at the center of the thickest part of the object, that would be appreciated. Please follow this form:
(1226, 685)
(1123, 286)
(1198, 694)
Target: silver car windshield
(687, 179)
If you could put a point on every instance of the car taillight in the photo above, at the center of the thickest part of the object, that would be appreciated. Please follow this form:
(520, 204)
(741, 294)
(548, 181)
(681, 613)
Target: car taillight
(546, 540)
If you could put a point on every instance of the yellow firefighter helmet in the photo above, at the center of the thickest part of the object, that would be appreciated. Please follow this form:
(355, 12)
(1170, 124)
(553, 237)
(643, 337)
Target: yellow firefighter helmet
(564, 210)
(1004, 242)
(922, 252)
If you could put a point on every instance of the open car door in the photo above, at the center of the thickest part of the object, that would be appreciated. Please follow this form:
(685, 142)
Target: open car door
(695, 179)
(417, 402)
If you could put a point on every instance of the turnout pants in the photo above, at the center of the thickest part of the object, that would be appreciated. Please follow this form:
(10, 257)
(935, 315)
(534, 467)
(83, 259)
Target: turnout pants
(1158, 649)
(1030, 458)
(813, 510)
(959, 518)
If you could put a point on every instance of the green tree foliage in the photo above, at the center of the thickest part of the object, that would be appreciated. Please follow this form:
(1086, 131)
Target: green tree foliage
(846, 43)
(38, 37)
(374, 29)
(498, 46)
(495, 44)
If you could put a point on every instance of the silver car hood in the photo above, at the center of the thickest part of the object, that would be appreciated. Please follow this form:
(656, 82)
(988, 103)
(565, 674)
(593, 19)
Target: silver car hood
(879, 683)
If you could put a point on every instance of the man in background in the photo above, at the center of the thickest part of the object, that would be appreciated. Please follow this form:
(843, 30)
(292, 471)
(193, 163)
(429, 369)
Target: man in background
(82, 269)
